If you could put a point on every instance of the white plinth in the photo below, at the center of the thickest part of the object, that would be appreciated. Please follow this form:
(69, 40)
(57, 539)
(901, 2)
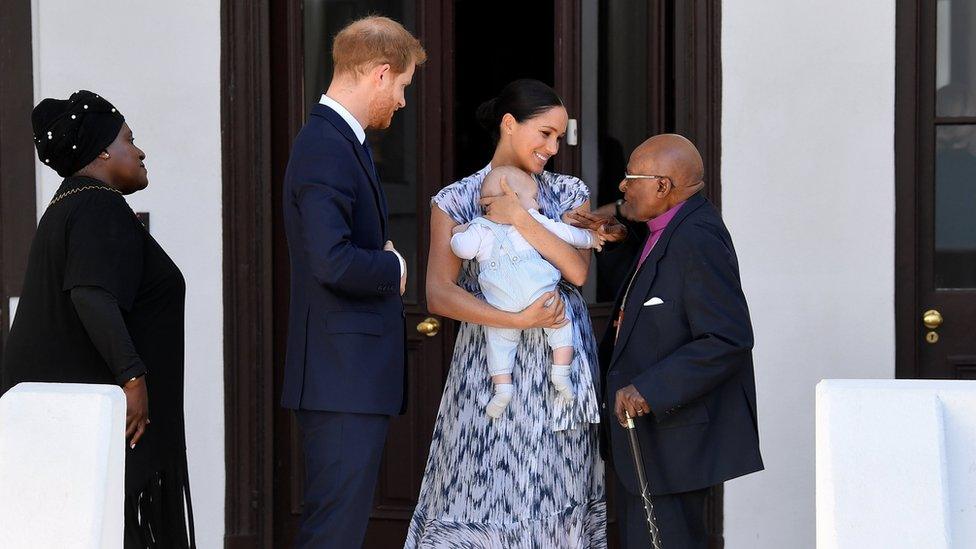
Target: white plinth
(62, 466)
(896, 464)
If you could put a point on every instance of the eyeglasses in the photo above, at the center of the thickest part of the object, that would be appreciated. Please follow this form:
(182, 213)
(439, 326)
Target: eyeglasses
(636, 176)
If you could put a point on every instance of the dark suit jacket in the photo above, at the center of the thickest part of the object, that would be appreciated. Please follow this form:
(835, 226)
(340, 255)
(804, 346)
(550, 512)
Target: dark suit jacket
(345, 324)
(689, 357)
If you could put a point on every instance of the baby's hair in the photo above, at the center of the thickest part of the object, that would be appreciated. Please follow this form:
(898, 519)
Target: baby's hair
(517, 180)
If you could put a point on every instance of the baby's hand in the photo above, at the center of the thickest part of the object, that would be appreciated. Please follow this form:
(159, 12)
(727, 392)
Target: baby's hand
(460, 228)
(598, 238)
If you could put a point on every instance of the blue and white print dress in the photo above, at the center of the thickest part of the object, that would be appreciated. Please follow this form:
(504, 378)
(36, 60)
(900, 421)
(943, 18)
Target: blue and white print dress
(532, 478)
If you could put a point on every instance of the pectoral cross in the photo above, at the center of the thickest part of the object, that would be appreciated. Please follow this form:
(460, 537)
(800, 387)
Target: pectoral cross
(618, 323)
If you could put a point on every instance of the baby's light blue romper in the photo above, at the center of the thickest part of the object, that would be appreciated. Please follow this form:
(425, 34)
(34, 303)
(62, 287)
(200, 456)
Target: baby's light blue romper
(511, 281)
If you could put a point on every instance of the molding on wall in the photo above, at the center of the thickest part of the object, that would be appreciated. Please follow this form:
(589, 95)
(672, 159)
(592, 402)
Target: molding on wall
(18, 200)
(907, 36)
(246, 144)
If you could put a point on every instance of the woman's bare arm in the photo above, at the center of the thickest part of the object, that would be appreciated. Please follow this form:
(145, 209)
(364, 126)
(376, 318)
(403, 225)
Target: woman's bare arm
(572, 263)
(446, 298)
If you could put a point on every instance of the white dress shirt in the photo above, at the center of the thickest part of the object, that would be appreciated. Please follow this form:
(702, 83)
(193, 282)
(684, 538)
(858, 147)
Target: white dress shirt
(360, 132)
(357, 128)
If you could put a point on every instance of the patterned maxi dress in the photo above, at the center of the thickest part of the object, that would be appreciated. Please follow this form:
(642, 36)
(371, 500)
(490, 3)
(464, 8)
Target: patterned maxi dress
(534, 477)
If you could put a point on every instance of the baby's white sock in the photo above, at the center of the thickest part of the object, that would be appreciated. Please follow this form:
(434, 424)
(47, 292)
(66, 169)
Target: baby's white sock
(499, 401)
(559, 375)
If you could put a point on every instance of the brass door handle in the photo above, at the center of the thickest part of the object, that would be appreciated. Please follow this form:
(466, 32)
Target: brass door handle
(429, 327)
(932, 319)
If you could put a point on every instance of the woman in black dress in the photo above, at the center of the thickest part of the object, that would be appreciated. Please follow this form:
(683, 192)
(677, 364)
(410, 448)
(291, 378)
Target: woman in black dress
(103, 303)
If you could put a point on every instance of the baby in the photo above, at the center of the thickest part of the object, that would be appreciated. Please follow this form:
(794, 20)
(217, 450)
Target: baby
(512, 275)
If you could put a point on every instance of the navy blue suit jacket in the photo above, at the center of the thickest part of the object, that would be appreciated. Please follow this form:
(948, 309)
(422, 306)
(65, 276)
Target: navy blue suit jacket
(345, 325)
(690, 357)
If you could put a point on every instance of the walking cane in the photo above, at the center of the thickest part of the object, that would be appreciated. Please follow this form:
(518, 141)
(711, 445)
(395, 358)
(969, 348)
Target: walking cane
(642, 480)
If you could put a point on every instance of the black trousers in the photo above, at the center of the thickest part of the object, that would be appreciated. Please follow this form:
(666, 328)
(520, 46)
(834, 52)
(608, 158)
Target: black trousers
(680, 519)
(342, 461)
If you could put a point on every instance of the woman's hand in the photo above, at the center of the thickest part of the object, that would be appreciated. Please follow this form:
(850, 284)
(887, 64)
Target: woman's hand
(546, 312)
(613, 229)
(136, 409)
(504, 209)
(460, 228)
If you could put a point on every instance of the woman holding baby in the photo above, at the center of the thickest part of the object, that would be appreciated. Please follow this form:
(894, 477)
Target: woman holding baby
(514, 460)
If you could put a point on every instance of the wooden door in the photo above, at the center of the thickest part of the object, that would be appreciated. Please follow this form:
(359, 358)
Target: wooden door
(435, 141)
(936, 190)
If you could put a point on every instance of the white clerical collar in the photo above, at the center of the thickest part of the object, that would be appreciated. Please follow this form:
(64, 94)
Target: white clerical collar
(357, 128)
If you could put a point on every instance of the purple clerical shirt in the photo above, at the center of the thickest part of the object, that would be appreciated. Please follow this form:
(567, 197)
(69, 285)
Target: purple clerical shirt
(657, 226)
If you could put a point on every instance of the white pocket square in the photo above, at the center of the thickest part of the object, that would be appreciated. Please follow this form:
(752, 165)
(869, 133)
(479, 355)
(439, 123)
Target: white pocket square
(653, 301)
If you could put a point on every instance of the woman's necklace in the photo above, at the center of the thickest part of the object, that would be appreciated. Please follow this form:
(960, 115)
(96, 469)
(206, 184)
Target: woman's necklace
(66, 194)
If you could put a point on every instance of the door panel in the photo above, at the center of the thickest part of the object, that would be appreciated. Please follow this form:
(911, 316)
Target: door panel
(17, 201)
(407, 446)
(936, 166)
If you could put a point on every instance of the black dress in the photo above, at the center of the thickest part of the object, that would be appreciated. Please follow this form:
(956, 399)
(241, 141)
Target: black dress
(92, 238)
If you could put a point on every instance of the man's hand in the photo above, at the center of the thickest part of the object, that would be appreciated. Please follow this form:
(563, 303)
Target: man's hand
(403, 276)
(629, 400)
(546, 312)
(504, 209)
(136, 409)
(614, 230)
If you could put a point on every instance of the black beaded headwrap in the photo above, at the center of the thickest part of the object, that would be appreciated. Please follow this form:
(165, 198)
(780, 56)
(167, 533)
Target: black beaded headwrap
(68, 134)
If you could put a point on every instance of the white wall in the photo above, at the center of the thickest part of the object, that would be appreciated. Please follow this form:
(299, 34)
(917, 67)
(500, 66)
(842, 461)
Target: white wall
(159, 63)
(808, 194)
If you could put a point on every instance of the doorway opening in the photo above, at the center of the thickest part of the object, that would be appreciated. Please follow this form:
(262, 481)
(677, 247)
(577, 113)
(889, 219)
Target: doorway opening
(493, 48)
(275, 65)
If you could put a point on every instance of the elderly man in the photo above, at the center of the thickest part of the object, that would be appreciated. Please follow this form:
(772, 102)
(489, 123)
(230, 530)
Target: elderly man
(678, 356)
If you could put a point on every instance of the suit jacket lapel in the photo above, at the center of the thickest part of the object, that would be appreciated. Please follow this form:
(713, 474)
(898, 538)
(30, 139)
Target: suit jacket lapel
(646, 274)
(342, 126)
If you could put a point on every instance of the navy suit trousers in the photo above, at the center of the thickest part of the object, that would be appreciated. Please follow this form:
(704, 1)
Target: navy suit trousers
(342, 462)
(680, 519)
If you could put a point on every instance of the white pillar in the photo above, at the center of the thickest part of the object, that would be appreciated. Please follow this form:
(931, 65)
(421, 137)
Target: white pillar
(895, 464)
(62, 466)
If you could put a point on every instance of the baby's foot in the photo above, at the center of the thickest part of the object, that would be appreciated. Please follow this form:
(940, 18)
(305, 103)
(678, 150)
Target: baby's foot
(559, 375)
(499, 401)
